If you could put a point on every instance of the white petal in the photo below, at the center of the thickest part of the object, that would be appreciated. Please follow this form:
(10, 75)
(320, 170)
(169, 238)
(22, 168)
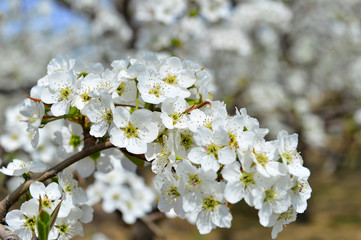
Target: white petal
(99, 129)
(210, 163)
(60, 108)
(53, 191)
(233, 192)
(196, 155)
(136, 146)
(226, 155)
(117, 137)
(264, 215)
(232, 172)
(15, 218)
(222, 217)
(37, 189)
(204, 222)
(121, 117)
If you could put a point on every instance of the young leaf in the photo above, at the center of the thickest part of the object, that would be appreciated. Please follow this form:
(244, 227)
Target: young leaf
(137, 161)
(43, 225)
(54, 214)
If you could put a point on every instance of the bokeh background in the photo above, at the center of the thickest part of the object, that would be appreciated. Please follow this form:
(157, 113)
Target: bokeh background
(294, 64)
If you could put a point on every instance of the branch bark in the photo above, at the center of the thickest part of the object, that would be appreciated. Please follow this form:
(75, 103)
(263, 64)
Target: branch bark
(6, 234)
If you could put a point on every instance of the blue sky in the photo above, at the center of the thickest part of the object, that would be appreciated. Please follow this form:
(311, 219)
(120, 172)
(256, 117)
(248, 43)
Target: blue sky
(59, 18)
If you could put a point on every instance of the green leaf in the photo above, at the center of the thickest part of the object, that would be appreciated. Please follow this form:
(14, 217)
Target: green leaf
(43, 225)
(54, 214)
(193, 12)
(72, 112)
(82, 74)
(137, 161)
(95, 156)
(193, 101)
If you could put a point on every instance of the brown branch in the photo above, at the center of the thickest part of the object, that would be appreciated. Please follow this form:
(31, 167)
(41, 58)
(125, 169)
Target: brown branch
(6, 234)
(85, 11)
(10, 199)
(123, 8)
(191, 108)
(156, 231)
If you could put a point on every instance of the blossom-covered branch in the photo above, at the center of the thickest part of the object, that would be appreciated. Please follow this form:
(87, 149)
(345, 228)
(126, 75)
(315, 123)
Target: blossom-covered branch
(203, 158)
(10, 199)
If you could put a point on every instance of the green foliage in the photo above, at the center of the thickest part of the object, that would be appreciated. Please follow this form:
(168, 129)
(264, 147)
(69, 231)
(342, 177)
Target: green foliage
(137, 161)
(43, 225)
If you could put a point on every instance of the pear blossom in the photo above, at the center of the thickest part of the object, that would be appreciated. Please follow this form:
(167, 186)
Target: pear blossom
(174, 74)
(153, 89)
(272, 199)
(300, 193)
(193, 182)
(279, 220)
(69, 186)
(289, 155)
(86, 85)
(203, 158)
(241, 183)
(19, 167)
(173, 115)
(213, 149)
(23, 222)
(213, 211)
(69, 139)
(164, 157)
(125, 89)
(100, 112)
(132, 131)
(171, 197)
(66, 228)
(264, 156)
(34, 112)
(50, 195)
(207, 116)
(184, 142)
(60, 92)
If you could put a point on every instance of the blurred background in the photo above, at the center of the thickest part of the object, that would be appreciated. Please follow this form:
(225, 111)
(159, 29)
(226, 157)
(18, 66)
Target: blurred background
(294, 64)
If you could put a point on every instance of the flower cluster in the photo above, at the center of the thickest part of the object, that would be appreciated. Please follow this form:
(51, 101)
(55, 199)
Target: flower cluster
(204, 159)
(65, 194)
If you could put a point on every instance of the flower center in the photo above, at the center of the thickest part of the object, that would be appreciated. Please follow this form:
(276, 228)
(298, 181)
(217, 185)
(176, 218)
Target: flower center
(233, 142)
(271, 195)
(64, 95)
(210, 203)
(247, 179)
(261, 158)
(85, 97)
(171, 79)
(108, 116)
(74, 141)
(186, 141)
(30, 222)
(120, 89)
(194, 180)
(63, 229)
(212, 149)
(175, 117)
(155, 90)
(162, 137)
(46, 203)
(131, 131)
(173, 192)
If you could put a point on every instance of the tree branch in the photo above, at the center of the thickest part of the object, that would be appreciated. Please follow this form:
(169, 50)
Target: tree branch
(10, 199)
(6, 234)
